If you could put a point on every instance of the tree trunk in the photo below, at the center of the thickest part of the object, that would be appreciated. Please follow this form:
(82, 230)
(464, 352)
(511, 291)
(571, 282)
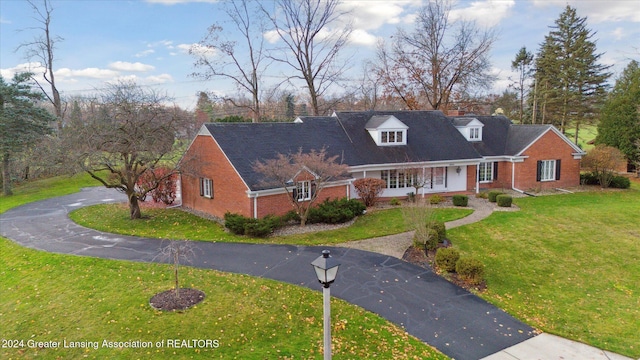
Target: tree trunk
(6, 176)
(134, 207)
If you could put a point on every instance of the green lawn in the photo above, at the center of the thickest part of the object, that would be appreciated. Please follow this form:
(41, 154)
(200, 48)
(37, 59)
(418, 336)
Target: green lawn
(49, 298)
(177, 224)
(566, 264)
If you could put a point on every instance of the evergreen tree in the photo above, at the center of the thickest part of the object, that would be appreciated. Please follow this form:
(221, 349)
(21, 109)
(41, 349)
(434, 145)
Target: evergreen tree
(570, 83)
(522, 63)
(620, 118)
(22, 122)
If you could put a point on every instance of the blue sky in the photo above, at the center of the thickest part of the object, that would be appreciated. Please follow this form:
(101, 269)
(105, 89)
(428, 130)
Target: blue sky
(148, 41)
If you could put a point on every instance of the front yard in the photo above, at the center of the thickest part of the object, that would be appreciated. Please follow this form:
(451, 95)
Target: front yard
(566, 264)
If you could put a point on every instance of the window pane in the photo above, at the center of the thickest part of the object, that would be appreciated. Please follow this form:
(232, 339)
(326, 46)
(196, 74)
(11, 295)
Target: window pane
(385, 136)
(399, 136)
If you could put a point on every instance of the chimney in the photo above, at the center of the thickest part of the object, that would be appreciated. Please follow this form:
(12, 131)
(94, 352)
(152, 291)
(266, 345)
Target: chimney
(455, 112)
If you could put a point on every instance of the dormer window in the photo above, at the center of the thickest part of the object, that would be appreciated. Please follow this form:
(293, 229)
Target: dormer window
(474, 133)
(387, 130)
(470, 127)
(392, 137)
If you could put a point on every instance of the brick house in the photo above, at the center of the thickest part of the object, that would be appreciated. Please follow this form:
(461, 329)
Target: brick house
(411, 150)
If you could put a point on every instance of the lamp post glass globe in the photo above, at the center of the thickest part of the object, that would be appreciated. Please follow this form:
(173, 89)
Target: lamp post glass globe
(326, 268)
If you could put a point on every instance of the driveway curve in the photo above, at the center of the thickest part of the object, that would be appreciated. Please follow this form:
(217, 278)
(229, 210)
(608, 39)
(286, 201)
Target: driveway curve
(456, 322)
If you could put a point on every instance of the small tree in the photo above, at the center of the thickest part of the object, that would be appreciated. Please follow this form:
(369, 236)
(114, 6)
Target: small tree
(302, 176)
(369, 189)
(176, 252)
(603, 161)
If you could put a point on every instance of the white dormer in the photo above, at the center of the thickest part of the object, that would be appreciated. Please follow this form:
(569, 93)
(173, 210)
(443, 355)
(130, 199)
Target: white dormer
(471, 128)
(387, 130)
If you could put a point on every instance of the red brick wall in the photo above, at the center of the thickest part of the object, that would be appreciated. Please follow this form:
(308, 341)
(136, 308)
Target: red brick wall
(471, 178)
(279, 204)
(503, 181)
(548, 147)
(205, 159)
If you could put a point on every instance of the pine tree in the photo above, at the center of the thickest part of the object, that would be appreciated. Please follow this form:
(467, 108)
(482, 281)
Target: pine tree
(620, 118)
(522, 63)
(570, 83)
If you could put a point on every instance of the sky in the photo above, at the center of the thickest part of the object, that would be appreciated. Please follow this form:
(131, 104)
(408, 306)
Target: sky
(148, 41)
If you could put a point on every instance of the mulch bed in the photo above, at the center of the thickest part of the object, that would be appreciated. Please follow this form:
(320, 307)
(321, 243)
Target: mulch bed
(418, 257)
(168, 301)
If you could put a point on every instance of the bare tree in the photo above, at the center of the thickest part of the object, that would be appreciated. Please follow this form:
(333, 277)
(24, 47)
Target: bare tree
(129, 133)
(437, 60)
(314, 33)
(242, 64)
(603, 161)
(42, 48)
(302, 176)
(177, 252)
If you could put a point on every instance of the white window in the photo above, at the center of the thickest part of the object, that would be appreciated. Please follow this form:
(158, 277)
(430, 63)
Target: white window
(547, 170)
(485, 172)
(303, 190)
(392, 137)
(474, 133)
(396, 179)
(206, 188)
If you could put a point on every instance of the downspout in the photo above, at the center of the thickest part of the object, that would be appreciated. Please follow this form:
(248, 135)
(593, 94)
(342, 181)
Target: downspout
(513, 177)
(255, 205)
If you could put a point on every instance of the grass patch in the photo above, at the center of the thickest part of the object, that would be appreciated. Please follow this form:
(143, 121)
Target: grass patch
(566, 264)
(52, 297)
(177, 224)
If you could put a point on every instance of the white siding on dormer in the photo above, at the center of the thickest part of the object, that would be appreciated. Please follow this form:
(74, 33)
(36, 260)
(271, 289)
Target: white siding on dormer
(472, 131)
(386, 127)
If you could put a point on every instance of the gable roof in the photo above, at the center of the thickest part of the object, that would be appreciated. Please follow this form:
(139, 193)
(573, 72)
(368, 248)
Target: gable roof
(500, 137)
(431, 137)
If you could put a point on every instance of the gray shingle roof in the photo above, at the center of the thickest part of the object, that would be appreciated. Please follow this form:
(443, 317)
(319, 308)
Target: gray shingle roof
(431, 137)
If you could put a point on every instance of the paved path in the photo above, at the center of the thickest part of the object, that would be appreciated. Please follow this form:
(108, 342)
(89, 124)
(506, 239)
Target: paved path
(456, 322)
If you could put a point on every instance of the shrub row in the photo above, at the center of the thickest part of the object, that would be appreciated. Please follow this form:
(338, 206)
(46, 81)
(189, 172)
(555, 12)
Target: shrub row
(329, 212)
(617, 182)
(335, 211)
(467, 268)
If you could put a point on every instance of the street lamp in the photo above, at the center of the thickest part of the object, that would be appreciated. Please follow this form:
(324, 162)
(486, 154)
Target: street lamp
(326, 269)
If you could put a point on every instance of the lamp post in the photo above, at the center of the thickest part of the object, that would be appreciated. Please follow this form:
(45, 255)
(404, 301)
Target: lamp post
(326, 269)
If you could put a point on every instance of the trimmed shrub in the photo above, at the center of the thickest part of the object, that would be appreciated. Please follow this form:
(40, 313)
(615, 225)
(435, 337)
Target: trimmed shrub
(470, 269)
(235, 222)
(493, 194)
(482, 195)
(460, 200)
(504, 200)
(620, 182)
(394, 202)
(446, 259)
(335, 211)
(439, 228)
(258, 228)
(368, 189)
(431, 240)
(436, 199)
(589, 179)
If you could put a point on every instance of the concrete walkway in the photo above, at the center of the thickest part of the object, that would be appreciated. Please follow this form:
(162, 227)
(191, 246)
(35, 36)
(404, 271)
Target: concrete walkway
(456, 322)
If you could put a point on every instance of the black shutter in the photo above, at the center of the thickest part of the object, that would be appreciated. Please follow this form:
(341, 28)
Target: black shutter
(446, 176)
(313, 188)
(495, 170)
(211, 187)
(558, 169)
(295, 193)
(539, 171)
(201, 186)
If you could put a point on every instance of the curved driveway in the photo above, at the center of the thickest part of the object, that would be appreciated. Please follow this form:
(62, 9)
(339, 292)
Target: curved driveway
(456, 322)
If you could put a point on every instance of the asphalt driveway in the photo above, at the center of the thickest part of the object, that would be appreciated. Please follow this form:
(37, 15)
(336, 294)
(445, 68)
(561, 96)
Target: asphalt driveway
(456, 322)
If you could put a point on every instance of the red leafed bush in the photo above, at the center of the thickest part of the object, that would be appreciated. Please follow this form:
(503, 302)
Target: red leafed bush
(160, 183)
(369, 189)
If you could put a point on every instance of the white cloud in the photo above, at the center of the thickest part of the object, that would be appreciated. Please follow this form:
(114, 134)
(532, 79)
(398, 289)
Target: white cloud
(362, 37)
(66, 74)
(34, 67)
(486, 13)
(618, 33)
(159, 79)
(144, 53)
(271, 36)
(598, 11)
(127, 66)
(196, 49)
(4, 21)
